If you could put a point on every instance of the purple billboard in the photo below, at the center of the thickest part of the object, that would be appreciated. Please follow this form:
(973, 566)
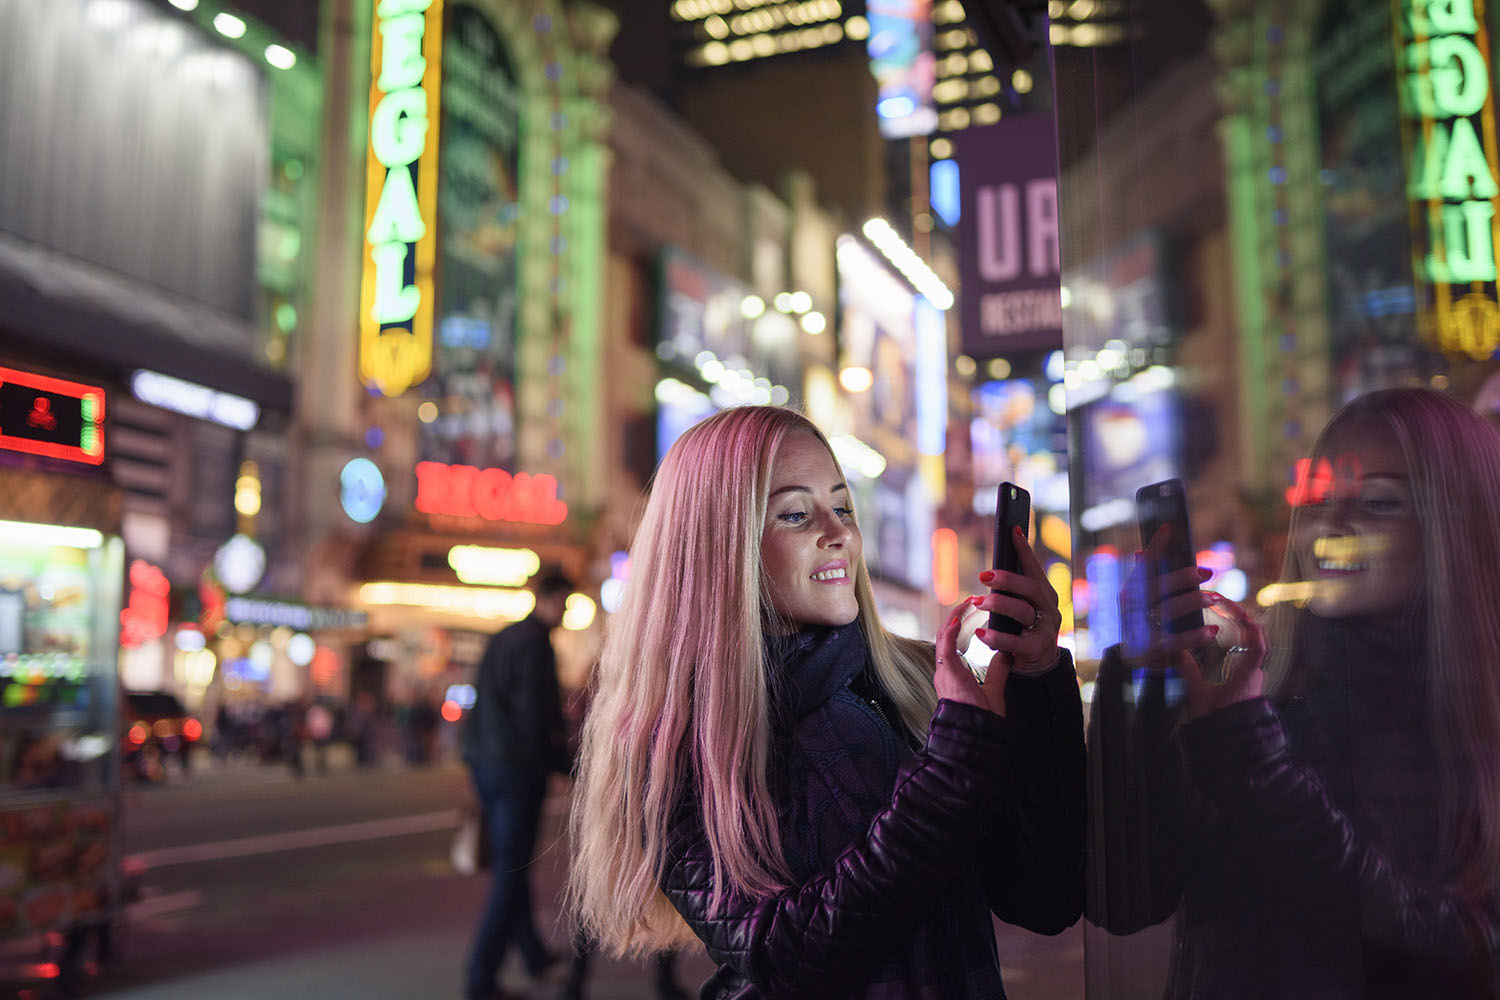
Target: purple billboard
(1009, 260)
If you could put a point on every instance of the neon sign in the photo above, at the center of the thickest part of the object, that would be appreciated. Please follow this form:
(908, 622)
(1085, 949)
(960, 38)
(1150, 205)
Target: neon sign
(396, 294)
(51, 417)
(1446, 91)
(493, 494)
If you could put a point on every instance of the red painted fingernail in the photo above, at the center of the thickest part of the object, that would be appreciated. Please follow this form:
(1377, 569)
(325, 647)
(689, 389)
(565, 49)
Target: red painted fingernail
(986, 576)
(1204, 572)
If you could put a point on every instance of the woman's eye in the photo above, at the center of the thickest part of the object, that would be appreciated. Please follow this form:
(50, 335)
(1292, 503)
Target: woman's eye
(1382, 505)
(793, 516)
(844, 512)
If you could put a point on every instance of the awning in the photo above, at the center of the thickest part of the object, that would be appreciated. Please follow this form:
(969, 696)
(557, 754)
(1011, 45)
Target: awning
(64, 305)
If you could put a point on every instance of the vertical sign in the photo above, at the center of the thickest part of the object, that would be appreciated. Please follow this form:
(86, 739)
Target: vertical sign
(1009, 257)
(396, 307)
(1446, 95)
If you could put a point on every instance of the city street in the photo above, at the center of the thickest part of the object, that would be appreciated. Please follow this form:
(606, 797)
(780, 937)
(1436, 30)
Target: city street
(258, 885)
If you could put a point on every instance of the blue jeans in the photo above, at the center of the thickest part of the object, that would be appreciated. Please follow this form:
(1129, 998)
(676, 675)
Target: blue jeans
(512, 802)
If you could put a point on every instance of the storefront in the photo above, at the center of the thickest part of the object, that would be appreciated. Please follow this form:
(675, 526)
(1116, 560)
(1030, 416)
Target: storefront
(62, 576)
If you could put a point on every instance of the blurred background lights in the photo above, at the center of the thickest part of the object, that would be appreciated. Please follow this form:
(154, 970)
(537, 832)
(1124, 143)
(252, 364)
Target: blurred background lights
(856, 378)
(300, 649)
(280, 56)
(228, 25)
(579, 612)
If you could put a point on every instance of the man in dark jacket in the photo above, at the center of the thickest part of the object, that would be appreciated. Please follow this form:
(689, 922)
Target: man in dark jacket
(513, 739)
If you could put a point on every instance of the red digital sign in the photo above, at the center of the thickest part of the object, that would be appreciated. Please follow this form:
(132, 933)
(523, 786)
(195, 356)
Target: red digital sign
(51, 417)
(493, 494)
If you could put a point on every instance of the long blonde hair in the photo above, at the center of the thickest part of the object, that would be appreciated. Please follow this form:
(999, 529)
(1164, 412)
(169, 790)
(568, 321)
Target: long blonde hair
(1453, 459)
(680, 707)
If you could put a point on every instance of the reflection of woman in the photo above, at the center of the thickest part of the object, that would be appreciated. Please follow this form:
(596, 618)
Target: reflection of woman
(829, 811)
(1334, 828)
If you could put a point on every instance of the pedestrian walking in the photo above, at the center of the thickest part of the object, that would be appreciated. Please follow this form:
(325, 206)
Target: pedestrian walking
(513, 739)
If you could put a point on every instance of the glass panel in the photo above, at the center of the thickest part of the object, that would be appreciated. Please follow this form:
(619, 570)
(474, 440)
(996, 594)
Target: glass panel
(1280, 325)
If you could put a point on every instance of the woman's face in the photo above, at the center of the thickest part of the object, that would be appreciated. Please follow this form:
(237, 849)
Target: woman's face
(1359, 538)
(810, 546)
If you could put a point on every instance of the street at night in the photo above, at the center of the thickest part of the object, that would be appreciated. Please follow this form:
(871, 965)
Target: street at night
(259, 885)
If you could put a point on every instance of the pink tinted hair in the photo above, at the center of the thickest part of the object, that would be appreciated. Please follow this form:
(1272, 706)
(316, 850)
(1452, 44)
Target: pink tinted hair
(680, 707)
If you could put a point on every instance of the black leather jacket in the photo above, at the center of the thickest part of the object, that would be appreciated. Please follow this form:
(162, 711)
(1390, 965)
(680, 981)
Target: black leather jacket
(989, 811)
(1276, 889)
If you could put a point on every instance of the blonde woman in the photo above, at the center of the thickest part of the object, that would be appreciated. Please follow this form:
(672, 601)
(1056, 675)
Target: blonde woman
(832, 810)
(1333, 831)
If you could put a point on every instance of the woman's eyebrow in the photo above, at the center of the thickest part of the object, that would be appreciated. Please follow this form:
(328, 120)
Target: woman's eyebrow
(806, 489)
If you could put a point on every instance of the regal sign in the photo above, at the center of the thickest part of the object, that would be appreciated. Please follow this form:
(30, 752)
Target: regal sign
(1446, 97)
(493, 494)
(396, 294)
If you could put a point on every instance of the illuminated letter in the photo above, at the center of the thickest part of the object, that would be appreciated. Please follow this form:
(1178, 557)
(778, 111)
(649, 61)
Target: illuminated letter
(397, 218)
(1460, 86)
(401, 61)
(1450, 17)
(1471, 258)
(433, 493)
(395, 301)
(1466, 173)
(1044, 256)
(395, 8)
(398, 128)
(1427, 164)
(1007, 263)
(492, 489)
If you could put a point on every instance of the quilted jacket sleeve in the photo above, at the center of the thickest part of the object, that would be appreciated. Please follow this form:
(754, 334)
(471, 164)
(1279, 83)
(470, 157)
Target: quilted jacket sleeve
(1239, 757)
(1033, 861)
(1139, 799)
(812, 939)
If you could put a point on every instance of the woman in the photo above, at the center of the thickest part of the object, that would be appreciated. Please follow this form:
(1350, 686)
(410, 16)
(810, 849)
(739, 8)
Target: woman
(834, 811)
(1333, 830)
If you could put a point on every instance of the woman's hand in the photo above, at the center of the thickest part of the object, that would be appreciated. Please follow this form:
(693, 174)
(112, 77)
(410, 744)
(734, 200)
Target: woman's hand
(1241, 676)
(953, 678)
(1027, 598)
(1146, 603)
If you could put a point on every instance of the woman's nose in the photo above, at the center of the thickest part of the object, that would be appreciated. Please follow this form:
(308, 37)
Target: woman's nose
(835, 528)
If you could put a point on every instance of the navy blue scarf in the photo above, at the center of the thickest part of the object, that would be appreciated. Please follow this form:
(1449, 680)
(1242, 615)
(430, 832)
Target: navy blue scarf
(838, 751)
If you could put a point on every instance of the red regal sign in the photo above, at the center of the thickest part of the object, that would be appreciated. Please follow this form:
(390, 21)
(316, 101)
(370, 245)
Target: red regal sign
(51, 417)
(493, 494)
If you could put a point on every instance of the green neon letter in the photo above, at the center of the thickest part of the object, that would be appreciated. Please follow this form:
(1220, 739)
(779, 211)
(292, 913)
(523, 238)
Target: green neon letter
(395, 301)
(395, 8)
(397, 218)
(1450, 17)
(1466, 238)
(1460, 79)
(401, 60)
(1466, 173)
(1427, 164)
(398, 128)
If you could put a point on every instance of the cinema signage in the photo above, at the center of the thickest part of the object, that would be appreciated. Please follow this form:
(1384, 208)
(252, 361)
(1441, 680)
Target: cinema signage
(491, 494)
(1446, 96)
(396, 294)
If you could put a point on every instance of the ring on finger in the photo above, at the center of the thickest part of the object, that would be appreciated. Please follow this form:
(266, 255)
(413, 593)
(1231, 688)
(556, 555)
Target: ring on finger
(1035, 621)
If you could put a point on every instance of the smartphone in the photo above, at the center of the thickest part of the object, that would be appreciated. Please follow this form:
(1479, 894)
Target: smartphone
(1165, 504)
(1012, 510)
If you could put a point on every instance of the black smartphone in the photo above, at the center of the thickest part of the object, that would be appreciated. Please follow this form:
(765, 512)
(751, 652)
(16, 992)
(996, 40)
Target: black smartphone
(1012, 510)
(1159, 505)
